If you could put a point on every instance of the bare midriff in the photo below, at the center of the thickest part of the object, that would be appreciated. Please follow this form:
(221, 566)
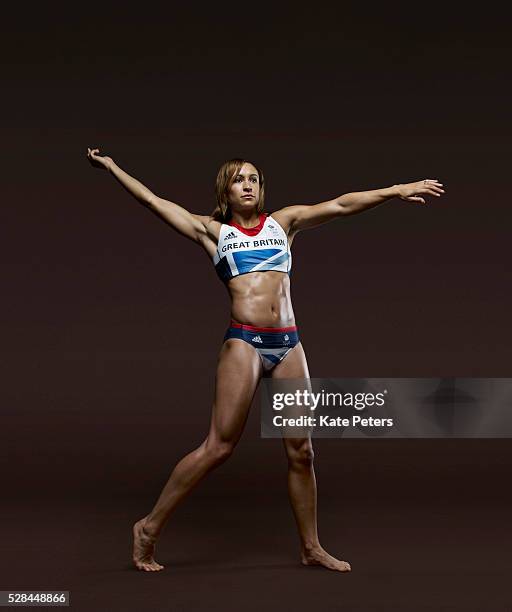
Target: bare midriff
(261, 299)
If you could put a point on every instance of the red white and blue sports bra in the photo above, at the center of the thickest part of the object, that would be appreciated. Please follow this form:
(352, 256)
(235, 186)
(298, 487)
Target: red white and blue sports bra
(257, 249)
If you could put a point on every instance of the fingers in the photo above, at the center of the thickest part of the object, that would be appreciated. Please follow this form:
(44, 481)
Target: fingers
(435, 191)
(433, 184)
(431, 187)
(418, 199)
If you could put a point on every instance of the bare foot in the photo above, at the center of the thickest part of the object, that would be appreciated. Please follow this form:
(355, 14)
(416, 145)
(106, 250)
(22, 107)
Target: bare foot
(143, 549)
(318, 556)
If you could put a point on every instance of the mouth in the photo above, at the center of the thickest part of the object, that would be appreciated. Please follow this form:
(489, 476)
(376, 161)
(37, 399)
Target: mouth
(247, 196)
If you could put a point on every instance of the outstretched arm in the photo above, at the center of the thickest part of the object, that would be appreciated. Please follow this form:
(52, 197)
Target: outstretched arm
(189, 225)
(297, 218)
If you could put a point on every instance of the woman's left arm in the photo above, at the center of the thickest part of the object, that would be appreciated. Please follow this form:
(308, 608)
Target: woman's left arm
(296, 218)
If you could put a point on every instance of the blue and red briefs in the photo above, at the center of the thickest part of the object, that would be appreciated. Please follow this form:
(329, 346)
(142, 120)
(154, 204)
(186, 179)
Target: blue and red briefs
(271, 343)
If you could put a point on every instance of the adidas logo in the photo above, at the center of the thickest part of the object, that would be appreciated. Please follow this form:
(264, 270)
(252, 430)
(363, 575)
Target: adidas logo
(230, 235)
(257, 339)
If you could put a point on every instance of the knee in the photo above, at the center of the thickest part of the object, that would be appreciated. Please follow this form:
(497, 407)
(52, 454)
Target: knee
(217, 452)
(301, 457)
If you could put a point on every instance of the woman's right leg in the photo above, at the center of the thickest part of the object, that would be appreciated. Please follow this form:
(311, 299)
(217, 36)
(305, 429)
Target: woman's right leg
(238, 374)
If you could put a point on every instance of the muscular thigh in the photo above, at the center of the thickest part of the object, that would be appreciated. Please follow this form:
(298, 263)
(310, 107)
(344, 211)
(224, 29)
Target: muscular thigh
(238, 375)
(294, 365)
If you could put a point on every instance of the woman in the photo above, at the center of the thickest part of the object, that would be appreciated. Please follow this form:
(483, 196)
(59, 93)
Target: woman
(251, 253)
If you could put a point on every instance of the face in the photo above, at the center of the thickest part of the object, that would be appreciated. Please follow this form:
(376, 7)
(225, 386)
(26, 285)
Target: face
(244, 193)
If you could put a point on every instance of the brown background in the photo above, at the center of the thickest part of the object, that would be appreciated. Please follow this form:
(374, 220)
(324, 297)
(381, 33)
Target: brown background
(111, 323)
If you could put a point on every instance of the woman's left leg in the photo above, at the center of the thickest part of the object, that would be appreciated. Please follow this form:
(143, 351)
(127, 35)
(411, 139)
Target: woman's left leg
(301, 476)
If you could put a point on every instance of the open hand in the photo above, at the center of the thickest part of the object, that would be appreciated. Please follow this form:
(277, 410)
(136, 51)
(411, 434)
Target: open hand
(97, 160)
(413, 192)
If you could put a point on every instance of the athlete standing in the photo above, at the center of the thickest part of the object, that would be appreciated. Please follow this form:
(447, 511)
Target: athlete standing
(251, 254)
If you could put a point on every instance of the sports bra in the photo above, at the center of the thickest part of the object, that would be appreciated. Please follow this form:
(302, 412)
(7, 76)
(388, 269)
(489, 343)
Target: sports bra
(255, 249)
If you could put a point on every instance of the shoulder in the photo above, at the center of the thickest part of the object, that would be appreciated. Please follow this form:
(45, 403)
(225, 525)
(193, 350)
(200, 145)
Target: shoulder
(212, 226)
(285, 217)
(210, 233)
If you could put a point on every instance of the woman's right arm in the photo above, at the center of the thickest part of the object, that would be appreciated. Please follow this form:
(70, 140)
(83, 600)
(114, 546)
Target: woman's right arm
(189, 225)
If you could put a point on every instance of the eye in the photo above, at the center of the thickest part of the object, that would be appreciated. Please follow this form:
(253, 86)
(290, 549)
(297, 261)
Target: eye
(254, 179)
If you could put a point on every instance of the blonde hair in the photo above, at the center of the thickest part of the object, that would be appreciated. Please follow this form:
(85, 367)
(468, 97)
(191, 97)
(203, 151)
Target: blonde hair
(225, 178)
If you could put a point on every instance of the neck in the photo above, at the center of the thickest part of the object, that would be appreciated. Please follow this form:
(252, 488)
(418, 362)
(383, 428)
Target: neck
(246, 219)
